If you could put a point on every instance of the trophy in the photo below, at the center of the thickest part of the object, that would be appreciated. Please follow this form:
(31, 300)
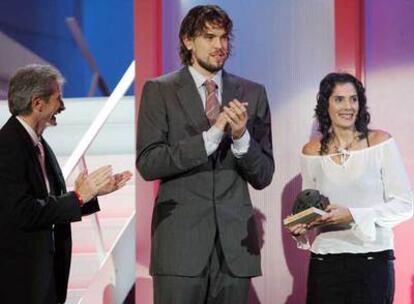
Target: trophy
(308, 206)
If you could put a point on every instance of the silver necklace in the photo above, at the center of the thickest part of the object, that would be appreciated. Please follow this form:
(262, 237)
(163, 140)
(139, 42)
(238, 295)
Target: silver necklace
(344, 152)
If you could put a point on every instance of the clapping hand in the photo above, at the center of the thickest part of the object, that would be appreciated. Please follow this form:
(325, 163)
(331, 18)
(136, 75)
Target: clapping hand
(100, 182)
(116, 182)
(236, 115)
(221, 121)
(88, 185)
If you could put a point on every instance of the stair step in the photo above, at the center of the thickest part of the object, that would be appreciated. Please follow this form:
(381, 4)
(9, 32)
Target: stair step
(84, 267)
(118, 204)
(74, 295)
(84, 237)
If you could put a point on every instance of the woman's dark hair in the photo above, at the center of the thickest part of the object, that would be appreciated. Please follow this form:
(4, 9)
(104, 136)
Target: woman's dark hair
(326, 88)
(195, 23)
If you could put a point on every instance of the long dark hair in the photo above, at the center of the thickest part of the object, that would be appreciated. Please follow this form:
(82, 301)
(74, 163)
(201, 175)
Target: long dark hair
(326, 88)
(195, 22)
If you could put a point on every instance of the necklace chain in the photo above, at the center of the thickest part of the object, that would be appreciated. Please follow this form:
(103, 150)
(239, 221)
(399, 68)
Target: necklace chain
(344, 152)
(347, 147)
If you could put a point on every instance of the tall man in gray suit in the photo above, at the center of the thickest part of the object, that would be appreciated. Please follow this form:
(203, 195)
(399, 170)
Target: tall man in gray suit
(205, 134)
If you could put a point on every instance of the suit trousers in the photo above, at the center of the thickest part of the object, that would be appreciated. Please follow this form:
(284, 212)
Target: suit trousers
(216, 285)
(348, 278)
(51, 291)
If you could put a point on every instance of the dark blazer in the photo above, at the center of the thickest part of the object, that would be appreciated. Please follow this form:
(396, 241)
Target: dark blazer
(35, 234)
(201, 196)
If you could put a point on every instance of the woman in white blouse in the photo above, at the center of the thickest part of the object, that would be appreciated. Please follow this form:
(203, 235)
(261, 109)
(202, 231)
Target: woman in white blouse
(361, 172)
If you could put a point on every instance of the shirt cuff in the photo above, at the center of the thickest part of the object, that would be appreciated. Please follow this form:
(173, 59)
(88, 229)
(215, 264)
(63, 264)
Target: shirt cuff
(212, 139)
(240, 146)
(364, 223)
(302, 242)
(79, 197)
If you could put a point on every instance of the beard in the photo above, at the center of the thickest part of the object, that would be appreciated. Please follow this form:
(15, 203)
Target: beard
(211, 67)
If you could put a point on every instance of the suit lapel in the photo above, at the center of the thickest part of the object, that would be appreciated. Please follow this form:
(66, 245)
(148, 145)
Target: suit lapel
(231, 89)
(59, 181)
(190, 100)
(31, 150)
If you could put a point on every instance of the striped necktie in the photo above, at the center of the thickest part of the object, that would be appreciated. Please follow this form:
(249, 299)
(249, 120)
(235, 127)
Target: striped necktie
(212, 103)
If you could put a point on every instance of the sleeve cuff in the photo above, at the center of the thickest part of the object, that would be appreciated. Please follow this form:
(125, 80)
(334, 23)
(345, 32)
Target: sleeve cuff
(364, 223)
(212, 139)
(302, 242)
(241, 146)
(79, 198)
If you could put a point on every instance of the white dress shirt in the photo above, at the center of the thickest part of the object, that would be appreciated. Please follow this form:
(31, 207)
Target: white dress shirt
(373, 184)
(212, 137)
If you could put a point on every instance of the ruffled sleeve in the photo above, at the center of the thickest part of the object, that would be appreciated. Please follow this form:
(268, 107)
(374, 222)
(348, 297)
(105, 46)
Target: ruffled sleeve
(307, 172)
(398, 197)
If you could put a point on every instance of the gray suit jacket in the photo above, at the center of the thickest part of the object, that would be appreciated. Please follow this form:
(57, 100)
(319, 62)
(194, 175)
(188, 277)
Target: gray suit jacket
(201, 196)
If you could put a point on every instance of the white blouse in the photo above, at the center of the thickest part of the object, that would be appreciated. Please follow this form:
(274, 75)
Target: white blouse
(373, 184)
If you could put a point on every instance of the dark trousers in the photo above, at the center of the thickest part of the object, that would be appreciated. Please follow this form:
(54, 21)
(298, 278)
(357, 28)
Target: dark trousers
(216, 285)
(51, 291)
(351, 278)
